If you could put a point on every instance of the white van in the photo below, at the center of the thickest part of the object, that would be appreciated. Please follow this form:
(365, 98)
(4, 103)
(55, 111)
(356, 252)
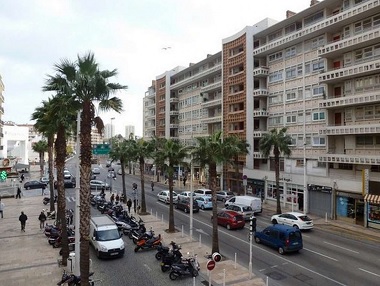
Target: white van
(105, 237)
(253, 202)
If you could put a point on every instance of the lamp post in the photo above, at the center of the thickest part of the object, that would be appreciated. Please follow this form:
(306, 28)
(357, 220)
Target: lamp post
(77, 202)
(305, 191)
(112, 118)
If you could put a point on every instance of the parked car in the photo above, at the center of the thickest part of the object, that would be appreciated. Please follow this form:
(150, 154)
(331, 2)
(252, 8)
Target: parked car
(34, 185)
(98, 185)
(68, 183)
(203, 192)
(185, 195)
(224, 195)
(281, 237)
(245, 211)
(96, 171)
(294, 219)
(230, 219)
(204, 202)
(66, 174)
(184, 204)
(44, 180)
(164, 196)
(254, 202)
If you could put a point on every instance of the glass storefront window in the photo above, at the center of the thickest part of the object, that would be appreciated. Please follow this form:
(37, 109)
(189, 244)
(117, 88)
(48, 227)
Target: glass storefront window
(374, 213)
(271, 191)
(345, 207)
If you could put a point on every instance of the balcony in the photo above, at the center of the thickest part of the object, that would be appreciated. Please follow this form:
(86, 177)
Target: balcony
(212, 103)
(150, 116)
(357, 99)
(197, 76)
(260, 113)
(259, 133)
(174, 99)
(349, 159)
(261, 71)
(346, 45)
(258, 155)
(349, 72)
(345, 17)
(350, 129)
(260, 92)
(173, 125)
(211, 86)
(174, 112)
(214, 119)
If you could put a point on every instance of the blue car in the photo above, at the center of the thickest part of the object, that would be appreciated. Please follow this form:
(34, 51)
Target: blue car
(204, 202)
(281, 237)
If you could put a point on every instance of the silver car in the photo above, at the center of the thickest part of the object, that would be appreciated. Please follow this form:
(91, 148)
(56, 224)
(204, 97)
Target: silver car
(224, 195)
(245, 211)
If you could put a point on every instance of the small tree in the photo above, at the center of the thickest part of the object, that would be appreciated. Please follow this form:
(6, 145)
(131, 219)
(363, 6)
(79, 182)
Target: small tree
(41, 147)
(278, 141)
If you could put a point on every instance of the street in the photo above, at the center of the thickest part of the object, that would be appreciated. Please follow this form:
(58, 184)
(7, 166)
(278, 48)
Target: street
(328, 257)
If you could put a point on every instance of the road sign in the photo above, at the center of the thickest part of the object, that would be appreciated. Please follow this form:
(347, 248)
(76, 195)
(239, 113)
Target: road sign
(210, 265)
(100, 149)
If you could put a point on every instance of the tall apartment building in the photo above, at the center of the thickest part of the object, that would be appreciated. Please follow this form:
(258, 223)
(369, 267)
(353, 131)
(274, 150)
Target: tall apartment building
(316, 73)
(2, 87)
(129, 129)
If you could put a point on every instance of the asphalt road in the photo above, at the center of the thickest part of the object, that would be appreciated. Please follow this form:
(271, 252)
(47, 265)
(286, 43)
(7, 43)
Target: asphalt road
(328, 257)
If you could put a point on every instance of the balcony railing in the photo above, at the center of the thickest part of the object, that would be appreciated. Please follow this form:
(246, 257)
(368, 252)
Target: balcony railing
(261, 71)
(350, 129)
(174, 112)
(319, 27)
(260, 113)
(174, 99)
(211, 86)
(258, 155)
(212, 103)
(259, 134)
(349, 159)
(197, 76)
(213, 119)
(357, 99)
(349, 72)
(260, 92)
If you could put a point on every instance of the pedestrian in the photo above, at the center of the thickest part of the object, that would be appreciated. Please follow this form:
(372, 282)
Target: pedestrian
(152, 185)
(184, 181)
(129, 205)
(112, 198)
(18, 195)
(42, 219)
(43, 190)
(23, 218)
(2, 206)
(135, 205)
(117, 198)
(22, 178)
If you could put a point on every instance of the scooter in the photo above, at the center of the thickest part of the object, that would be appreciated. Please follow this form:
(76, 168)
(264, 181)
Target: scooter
(46, 200)
(165, 250)
(73, 280)
(137, 236)
(171, 258)
(189, 267)
(151, 243)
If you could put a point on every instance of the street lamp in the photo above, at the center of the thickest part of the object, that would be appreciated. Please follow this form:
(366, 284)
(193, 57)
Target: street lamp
(112, 127)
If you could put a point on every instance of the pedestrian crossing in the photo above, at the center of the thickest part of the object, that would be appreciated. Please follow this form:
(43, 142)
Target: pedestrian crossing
(70, 199)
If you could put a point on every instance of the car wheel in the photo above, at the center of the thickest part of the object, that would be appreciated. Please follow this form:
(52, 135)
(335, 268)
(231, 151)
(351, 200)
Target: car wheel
(203, 207)
(281, 250)
(223, 200)
(28, 188)
(296, 226)
(97, 254)
(257, 240)
(228, 226)
(176, 206)
(274, 221)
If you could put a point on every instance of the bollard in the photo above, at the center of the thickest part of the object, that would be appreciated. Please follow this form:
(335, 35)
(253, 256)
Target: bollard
(156, 216)
(200, 240)
(326, 217)
(267, 281)
(162, 218)
(235, 260)
(182, 231)
(224, 277)
(151, 211)
(193, 281)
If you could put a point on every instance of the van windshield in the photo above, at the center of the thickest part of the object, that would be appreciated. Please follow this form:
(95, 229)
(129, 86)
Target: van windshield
(106, 235)
(295, 236)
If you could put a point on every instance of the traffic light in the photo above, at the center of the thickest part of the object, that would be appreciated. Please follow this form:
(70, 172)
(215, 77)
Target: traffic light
(3, 175)
(252, 225)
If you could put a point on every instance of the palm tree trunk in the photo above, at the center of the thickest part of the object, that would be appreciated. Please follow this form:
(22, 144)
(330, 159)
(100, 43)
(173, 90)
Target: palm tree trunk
(85, 171)
(51, 170)
(122, 163)
(215, 235)
(171, 209)
(277, 173)
(142, 178)
(42, 163)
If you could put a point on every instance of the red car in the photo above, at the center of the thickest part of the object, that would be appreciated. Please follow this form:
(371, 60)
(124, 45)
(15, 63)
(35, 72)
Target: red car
(230, 219)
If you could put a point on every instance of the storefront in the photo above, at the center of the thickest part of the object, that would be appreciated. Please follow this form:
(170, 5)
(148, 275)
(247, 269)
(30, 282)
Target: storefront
(373, 207)
(320, 200)
(349, 207)
(256, 187)
(291, 195)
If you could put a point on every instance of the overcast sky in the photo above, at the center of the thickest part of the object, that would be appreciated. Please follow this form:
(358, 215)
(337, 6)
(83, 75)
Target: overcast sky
(128, 35)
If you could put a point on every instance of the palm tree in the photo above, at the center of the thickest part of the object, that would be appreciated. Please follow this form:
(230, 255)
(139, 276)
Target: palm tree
(278, 141)
(170, 153)
(41, 147)
(213, 151)
(86, 84)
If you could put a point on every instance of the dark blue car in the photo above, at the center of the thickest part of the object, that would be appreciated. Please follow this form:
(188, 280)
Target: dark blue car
(281, 237)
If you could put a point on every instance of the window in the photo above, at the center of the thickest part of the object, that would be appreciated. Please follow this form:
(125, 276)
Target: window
(291, 72)
(275, 56)
(364, 140)
(319, 141)
(318, 116)
(275, 76)
(318, 65)
(318, 90)
(290, 52)
(291, 119)
(291, 96)
(313, 18)
(299, 163)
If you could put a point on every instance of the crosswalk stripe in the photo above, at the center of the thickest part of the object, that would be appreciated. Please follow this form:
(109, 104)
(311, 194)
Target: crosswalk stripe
(70, 199)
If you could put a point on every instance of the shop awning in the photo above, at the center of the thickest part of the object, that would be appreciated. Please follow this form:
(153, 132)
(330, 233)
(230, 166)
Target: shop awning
(372, 198)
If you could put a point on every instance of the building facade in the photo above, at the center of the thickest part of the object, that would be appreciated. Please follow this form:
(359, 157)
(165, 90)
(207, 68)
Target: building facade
(2, 87)
(316, 73)
(129, 129)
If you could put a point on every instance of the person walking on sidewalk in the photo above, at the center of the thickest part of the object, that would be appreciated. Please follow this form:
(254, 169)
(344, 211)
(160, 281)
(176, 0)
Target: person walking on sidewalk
(152, 185)
(23, 218)
(2, 206)
(129, 205)
(18, 195)
(42, 219)
(43, 190)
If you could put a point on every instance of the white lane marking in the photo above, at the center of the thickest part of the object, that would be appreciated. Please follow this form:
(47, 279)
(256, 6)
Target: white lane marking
(357, 252)
(320, 254)
(147, 267)
(369, 272)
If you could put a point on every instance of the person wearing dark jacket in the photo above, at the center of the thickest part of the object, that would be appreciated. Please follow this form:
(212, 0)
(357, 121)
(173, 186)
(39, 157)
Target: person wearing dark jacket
(42, 219)
(23, 218)
(18, 195)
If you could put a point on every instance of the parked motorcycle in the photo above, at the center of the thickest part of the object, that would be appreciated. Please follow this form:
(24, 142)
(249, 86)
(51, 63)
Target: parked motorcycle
(58, 241)
(188, 267)
(170, 258)
(98, 200)
(150, 243)
(50, 215)
(73, 280)
(136, 236)
(164, 250)
(46, 200)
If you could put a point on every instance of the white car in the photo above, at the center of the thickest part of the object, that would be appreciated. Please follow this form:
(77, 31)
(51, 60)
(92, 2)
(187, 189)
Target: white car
(203, 192)
(164, 196)
(185, 195)
(294, 219)
(96, 171)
